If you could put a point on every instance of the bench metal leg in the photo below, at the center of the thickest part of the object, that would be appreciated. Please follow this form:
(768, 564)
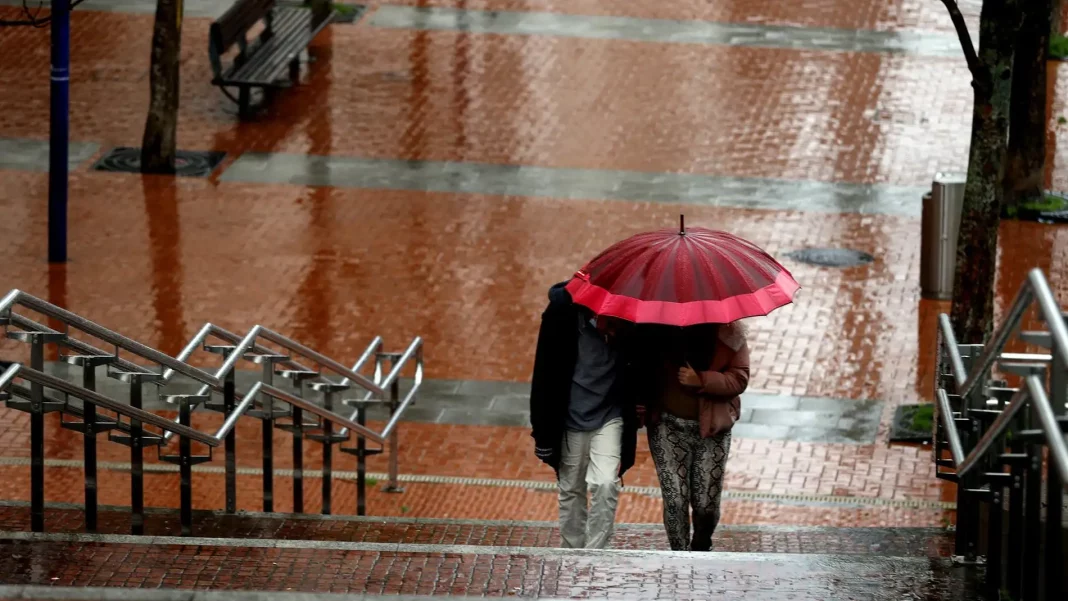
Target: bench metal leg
(244, 101)
(294, 70)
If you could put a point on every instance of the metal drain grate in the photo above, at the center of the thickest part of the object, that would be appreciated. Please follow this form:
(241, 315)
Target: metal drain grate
(189, 163)
(831, 257)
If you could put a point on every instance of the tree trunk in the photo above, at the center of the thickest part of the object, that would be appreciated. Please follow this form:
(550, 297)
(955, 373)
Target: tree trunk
(1025, 173)
(973, 287)
(1055, 17)
(160, 142)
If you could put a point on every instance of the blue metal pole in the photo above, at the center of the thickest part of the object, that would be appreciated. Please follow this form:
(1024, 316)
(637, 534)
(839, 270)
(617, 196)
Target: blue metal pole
(59, 130)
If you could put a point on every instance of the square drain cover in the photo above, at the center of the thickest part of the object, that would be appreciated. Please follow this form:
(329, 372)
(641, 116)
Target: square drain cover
(189, 163)
(831, 257)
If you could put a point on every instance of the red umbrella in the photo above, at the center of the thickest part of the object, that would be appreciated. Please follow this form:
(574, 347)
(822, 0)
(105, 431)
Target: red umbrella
(683, 277)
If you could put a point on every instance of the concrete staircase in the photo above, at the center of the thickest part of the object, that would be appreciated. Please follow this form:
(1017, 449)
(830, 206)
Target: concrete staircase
(388, 556)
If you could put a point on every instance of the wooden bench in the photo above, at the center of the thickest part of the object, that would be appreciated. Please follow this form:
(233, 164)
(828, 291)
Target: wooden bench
(272, 60)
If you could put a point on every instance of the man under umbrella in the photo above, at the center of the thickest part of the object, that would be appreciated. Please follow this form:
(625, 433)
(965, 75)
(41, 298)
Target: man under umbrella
(583, 416)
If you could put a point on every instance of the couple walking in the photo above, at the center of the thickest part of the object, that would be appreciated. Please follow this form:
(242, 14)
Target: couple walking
(629, 342)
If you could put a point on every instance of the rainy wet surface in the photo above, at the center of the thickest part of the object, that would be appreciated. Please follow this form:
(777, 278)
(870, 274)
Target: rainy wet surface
(894, 542)
(440, 165)
(346, 568)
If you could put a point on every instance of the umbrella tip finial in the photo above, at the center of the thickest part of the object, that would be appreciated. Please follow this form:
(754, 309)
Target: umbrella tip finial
(682, 225)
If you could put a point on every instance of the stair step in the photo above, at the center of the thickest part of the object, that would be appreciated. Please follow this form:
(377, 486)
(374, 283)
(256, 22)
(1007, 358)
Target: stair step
(1023, 368)
(262, 414)
(333, 439)
(290, 428)
(1037, 338)
(902, 542)
(366, 452)
(297, 375)
(1013, 459)
(177, 459)
(329, 387)
(178, 399)
(136, 377)
(261, 358)
(985, 414)
(44, 337)
(102, 424)
(49, 405)
(147, 440)
(88, 360)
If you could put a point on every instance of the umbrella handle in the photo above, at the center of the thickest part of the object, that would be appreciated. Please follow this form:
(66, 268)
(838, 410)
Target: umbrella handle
(682, 225)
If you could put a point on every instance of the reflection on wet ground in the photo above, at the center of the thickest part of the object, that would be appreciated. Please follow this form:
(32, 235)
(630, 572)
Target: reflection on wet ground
(419, 569)
(439, 168)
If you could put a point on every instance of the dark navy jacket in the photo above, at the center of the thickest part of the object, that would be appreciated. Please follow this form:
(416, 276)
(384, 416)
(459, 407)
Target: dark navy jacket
(550, 389)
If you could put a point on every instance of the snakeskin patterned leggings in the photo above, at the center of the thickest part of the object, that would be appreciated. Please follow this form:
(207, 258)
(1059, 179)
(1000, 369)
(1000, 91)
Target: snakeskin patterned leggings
(690, 469)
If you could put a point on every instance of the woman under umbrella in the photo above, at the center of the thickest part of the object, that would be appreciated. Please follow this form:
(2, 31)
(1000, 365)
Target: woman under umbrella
(691, 287)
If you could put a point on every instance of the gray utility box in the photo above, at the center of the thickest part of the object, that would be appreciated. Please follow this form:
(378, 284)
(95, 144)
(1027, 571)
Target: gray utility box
(938, 239)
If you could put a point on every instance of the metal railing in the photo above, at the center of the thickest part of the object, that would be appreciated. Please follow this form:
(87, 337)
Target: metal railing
(257, 402)
(1004, 444)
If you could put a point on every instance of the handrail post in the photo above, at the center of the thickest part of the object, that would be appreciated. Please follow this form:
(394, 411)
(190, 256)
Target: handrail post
(298, 449)
(89, 447)
(137, 463)
(267, 432)
(328, 454)
(393, 486)
(967, 535)
(37, 442)
(229, 403)
(185, 469)
(361, 462)
(1054, 555)
(1032, 522)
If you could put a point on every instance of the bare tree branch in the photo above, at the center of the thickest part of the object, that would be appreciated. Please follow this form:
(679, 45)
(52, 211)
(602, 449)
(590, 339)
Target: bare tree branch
(965, 38)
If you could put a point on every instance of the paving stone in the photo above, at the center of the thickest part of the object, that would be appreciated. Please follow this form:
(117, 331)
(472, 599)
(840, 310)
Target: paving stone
(903, 542)
(428, 569)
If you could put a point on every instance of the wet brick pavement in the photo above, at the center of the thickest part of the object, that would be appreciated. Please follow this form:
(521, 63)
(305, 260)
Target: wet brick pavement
(467, 269)
(464, 570)
(900, 542)
(769, 466)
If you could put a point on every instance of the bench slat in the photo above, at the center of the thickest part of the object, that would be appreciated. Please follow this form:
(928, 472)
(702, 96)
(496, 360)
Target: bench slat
(268, 61)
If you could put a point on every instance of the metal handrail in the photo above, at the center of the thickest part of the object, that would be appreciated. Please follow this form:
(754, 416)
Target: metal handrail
(17, 297)
(295, 401)
(415, 349)
(945, 412)
(995, 431)
(1035, 289)
(292, 345)
(17, 370)
(216, 381)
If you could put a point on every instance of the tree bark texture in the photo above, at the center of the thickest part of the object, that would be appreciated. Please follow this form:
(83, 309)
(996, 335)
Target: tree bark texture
(1025, 167)
(973, 288)
(160, 141)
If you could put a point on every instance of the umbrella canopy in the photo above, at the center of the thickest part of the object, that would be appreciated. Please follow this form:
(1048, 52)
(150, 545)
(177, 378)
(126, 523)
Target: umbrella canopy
(683, 277)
